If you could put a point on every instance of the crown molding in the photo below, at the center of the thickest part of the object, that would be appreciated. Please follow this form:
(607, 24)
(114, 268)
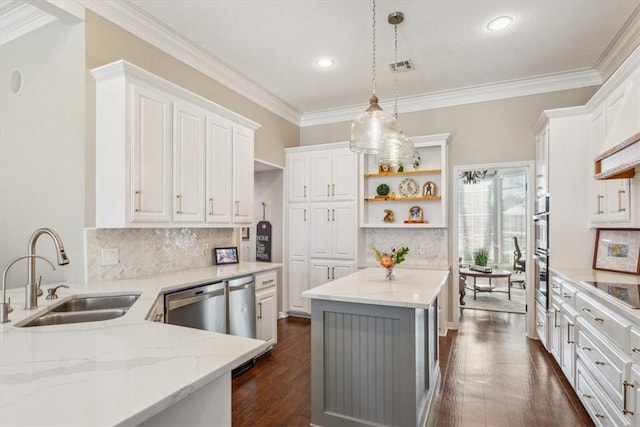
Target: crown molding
(621, 47)
(132, 19)
(19, 18)
(482, 93)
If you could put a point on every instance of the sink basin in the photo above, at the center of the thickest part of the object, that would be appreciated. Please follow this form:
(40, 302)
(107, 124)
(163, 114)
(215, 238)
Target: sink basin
(90, 303)
(89, 308)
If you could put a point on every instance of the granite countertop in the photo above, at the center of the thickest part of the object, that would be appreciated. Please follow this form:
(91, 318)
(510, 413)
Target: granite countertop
(412, 288)
(113, 372)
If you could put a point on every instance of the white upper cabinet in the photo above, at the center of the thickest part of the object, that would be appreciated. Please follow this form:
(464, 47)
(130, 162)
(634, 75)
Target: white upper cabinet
(242, 175)
(165, 156)
(149, 192)
(298, 177)
(188, 163)
(542, 162)
(332, 175)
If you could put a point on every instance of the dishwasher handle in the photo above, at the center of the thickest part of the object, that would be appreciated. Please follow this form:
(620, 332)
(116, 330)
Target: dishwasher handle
(172, 305)
(239, 288)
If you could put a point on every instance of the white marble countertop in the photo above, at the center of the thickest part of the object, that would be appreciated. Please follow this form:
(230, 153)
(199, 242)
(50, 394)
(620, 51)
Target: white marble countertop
(412, 288)
(113, 372)
(591, 275)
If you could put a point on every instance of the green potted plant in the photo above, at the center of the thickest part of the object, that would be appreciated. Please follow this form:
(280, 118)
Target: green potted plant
(480, 257)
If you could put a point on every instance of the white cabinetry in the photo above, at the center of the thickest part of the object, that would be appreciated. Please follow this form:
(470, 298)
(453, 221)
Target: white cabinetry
(322, 218)
(165, 156)
(266, 306)
(188, 162)
(542, 161)
(428, 180)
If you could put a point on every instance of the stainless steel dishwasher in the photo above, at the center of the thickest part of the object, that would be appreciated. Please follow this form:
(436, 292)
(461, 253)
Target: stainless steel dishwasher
(242, 307)
(200, 307)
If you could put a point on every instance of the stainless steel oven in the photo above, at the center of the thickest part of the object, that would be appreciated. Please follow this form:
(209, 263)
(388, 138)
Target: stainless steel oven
(541, 252)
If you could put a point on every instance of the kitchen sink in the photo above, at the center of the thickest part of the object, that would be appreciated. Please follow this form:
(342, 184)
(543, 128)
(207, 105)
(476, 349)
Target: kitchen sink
(89, 308)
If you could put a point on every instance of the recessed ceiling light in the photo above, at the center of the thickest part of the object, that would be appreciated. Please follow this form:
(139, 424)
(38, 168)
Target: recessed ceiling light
(500, 23)
(324, 62)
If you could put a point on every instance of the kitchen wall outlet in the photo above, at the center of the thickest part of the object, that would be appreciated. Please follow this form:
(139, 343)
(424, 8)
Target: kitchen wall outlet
(110, 256)
(421, 250)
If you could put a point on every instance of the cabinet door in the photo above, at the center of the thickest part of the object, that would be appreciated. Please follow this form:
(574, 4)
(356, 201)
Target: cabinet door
(597, 188)
(298, 177)
(542, 162)
(343, 176)
(151, 156)
(298, 283)
(188, 163)
(242, 175)
(319, 272)
(568, 347)
(266, 315)
(218, 171)
(555, 329)
(320, 175)
(617, 200)
(342, 269)
(320, 231)
(343, 231)
(298, 231)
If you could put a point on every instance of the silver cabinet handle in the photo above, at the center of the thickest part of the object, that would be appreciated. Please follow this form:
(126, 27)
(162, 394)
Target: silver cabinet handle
(569, 340)
(635, 349)
(328, 277)
(600, 211)
(625, 411)
(597, 319)
(179, 197)
(588, 396)
(555, 319)
(599, 415)
(260, 310)
(328, 215)
(237, 203)
(305, 215)
(211, 206)
(138, 202)
(304, 192)
(600, 363)
(328, 192)
(620, 193)
(264, 282)
(587, 348)
(566, 295)
(333, 273)
(333, 190)
(333, 215)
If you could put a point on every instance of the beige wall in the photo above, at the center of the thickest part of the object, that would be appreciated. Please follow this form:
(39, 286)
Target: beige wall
(106, 42)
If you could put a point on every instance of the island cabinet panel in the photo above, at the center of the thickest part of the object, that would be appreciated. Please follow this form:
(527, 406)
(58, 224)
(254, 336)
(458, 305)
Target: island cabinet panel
(372, 364)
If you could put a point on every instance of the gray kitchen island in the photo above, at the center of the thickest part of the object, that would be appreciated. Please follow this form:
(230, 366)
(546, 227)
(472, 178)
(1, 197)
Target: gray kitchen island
(374, 347)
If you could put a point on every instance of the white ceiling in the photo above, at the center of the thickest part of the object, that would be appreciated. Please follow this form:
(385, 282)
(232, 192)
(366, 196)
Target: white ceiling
(275, 43)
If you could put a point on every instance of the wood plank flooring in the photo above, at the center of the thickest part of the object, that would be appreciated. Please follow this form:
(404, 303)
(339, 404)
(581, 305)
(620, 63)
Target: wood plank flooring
(492, 376)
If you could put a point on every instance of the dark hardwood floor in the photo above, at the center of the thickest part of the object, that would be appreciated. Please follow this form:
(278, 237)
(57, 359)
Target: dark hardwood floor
(492, 376)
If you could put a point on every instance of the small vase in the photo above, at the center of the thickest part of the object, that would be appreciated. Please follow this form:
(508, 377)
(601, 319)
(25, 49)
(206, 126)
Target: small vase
(389, 274)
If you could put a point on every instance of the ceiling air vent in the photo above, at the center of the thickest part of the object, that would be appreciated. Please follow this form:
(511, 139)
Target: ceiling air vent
(405, 65)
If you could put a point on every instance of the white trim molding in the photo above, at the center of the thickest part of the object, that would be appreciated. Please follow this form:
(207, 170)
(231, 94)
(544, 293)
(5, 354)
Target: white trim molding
(18, 18)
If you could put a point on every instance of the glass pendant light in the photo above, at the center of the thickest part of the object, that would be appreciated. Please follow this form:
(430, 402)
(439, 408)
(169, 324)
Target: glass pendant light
(374, 128)
(400, 151)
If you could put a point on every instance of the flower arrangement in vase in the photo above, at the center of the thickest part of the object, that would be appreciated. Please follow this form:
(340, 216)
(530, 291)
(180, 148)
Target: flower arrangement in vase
(388, 260)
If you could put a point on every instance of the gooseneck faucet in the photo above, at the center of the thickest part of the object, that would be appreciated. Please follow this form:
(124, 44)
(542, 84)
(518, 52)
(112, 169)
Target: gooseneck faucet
(5, 306)
(32, 287)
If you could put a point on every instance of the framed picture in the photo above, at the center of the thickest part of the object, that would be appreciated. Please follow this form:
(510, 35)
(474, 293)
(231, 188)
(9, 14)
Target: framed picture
(245, 233)
(429, 189)
(226, 255)
(617, 249)
(385, 168)
(415, 213)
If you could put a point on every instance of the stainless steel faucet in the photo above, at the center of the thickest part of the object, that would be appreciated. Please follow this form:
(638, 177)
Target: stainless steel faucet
(32, 287)
(5, 306)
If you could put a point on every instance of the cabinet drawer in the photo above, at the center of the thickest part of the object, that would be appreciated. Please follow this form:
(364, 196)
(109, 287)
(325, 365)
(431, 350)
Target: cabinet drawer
(601, 410)
(606, 363)
(604, 320)
(556, 285)
(634, 344)
(541, 324)
(568, 293)
(266, 279)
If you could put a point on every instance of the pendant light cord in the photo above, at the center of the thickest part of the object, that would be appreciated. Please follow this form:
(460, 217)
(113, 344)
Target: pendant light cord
(395, 71)
(373, 64)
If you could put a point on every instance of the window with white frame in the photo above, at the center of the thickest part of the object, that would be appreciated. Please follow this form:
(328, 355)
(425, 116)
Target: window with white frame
(491, 212)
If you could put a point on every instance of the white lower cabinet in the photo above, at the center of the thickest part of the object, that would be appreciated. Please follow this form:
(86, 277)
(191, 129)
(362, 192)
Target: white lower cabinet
(267, 306)
(541, 325)
(568, 343)
(600, 408)
(555, 329)
(298, 281)
(323, 271)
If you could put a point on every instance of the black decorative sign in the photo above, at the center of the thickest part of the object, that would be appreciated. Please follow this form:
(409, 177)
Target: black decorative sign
(263, 241)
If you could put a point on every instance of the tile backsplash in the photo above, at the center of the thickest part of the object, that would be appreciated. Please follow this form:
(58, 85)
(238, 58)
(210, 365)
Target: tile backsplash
(432, 241)
(145, 251)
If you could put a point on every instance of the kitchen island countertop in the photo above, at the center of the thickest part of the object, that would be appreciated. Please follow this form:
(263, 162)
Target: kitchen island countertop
(114, 372)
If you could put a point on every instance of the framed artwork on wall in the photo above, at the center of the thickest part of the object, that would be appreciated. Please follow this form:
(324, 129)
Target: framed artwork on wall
(617, 249)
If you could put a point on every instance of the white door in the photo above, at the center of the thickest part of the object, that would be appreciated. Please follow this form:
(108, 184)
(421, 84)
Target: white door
(298, 177)
(218, 171)
(151, 156)
(266, 316)
(242, 175)
(320, 229)
(343, 231)
(298, 283)
(188, 163)
(343, 179)
(320, 175)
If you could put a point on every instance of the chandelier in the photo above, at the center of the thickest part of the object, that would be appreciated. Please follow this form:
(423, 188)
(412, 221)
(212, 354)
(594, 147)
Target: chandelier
(401, 151)
(375, 128)
(472, 177)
